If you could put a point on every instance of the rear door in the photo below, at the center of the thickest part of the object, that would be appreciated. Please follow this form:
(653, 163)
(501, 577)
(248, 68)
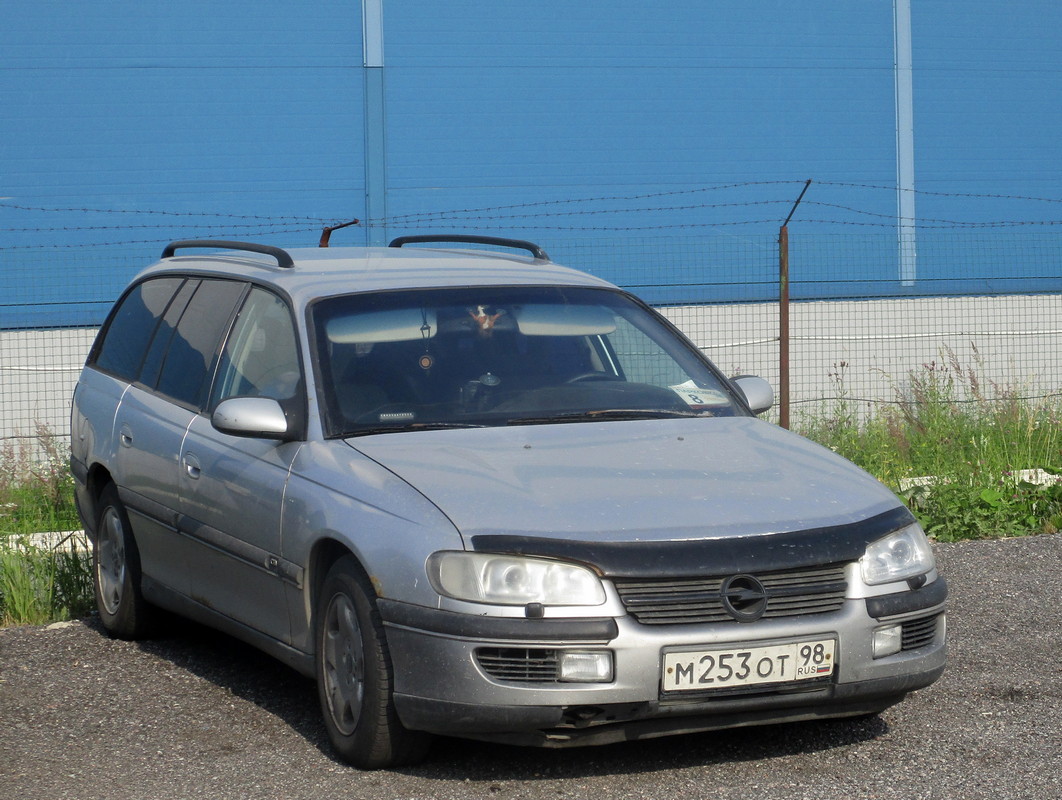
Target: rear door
(153, 419)
(147, 430)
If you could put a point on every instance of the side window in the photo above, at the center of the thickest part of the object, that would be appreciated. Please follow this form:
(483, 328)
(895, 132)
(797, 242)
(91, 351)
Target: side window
(131, 327)
(261, 357)
(149, 372)
(196, 340)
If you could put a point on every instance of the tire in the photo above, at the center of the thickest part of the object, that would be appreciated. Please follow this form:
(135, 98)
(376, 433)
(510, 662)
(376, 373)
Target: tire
(354, 675)
(116, 571)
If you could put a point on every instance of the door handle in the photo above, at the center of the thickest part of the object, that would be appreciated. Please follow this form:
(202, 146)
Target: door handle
(125, 436)
(191, 466)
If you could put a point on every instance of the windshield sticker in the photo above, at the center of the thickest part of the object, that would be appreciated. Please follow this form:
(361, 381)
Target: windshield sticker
(695, 397)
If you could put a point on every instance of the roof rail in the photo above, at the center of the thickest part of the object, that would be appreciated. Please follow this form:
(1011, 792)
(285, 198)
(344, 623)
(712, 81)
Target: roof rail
(283, 258)
(498, 241)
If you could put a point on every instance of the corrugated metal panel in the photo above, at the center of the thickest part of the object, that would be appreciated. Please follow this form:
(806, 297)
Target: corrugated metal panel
(245, 107)
(628, 96)
(247, 119)
(988, 100)
(224, 116)
(491, 105)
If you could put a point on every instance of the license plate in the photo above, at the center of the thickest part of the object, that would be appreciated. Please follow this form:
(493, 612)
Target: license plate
(704, 670)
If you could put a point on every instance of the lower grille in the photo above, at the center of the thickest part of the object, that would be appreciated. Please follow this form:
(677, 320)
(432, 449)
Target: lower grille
(919, 632)
(815, 590)
(518, 664)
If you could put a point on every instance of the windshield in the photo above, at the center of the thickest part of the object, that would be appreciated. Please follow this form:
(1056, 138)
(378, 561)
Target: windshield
(504, 356)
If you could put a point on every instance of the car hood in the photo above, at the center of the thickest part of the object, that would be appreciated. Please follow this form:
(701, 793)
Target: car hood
(631, 481)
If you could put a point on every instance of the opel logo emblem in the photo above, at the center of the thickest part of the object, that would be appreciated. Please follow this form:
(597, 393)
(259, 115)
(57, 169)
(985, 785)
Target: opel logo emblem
(744, 598)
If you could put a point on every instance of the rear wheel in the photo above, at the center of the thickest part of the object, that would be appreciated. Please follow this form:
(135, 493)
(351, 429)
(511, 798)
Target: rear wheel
(116, 571)
(354, 675)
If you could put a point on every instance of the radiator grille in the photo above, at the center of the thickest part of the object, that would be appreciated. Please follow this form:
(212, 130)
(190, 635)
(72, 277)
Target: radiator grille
(816, 590)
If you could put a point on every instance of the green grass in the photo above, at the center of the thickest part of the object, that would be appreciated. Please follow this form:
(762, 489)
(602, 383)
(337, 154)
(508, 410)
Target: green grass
(970, 440)
(39, 584)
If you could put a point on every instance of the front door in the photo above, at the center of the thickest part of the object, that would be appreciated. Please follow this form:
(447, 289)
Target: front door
(232, 488)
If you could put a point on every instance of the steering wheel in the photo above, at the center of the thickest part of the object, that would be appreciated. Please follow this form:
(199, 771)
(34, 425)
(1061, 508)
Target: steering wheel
(592, 376)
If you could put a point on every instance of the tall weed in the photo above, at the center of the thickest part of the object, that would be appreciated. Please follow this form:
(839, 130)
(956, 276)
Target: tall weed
(36, 488)
(955, 450)
(39, 584)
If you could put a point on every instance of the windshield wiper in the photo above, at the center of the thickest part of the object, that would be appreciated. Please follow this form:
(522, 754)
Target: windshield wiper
(606, 414)
(409, 426)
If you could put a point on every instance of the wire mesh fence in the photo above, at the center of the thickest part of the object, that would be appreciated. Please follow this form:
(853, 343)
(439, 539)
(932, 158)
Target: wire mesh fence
(986, 303)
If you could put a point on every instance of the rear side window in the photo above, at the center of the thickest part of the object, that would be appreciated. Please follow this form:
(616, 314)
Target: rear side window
(196, 341)
(131, 327)
(149, 371)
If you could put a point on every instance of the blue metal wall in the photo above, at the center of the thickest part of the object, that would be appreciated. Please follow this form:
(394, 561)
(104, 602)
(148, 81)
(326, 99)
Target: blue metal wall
(547, 100)
(156, 120)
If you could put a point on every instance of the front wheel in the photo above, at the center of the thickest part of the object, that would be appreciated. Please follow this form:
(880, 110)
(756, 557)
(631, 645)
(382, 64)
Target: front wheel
(354, 675)
(124, 612)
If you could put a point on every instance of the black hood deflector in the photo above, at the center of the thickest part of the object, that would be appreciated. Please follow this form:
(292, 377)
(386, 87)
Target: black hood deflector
(725, 556)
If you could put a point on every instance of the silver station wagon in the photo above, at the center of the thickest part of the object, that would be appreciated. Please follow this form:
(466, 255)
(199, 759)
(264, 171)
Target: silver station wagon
(475, 493)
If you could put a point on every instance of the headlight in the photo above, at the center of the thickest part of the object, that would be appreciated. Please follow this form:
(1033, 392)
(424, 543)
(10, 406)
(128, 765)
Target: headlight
(513, 580)
(898, 556)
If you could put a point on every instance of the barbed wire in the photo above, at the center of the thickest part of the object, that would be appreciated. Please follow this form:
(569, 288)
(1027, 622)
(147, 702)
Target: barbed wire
(153, 212)
(612, 198)
(539, 227)
(600, 211)
(931, 193)
(160, 240)
(937, 225)
(533, 215)
(77, 228)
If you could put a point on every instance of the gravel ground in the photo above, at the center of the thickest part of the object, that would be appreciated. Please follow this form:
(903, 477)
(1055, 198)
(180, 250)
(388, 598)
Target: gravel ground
(195, 714)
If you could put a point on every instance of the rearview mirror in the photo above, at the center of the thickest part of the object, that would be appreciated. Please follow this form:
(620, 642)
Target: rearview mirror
(253, 417)
(758, 393)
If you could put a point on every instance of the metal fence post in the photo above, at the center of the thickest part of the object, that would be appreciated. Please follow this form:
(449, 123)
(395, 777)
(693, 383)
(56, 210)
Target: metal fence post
(783, 326)
(783, 312)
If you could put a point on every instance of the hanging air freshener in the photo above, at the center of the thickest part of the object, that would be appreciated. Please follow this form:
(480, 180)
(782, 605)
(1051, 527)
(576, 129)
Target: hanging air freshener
(426, 361)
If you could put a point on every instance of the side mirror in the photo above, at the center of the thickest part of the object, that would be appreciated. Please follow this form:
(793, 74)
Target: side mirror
(758, 393)
(253, 417)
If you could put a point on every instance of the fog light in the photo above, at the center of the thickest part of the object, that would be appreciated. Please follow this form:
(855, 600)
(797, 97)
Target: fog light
(887, 641)
(586, 667)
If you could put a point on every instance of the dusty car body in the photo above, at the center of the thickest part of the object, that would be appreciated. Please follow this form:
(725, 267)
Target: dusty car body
(483, 495)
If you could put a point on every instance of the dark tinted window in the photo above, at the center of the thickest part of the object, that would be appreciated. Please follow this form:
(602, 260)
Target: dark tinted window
(132, 326)
(149, 372)
(499, 355)
(196, 341)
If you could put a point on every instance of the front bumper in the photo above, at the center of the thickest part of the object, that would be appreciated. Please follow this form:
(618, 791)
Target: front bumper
(441, 686)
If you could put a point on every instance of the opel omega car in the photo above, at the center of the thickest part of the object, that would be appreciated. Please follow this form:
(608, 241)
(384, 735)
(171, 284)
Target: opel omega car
(475, 493)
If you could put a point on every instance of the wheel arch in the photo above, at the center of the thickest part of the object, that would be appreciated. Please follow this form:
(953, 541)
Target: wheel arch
(326, 552)
(98, 478)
